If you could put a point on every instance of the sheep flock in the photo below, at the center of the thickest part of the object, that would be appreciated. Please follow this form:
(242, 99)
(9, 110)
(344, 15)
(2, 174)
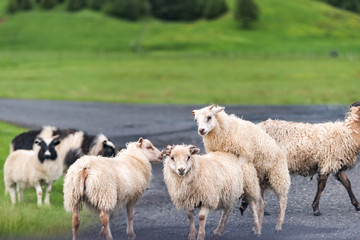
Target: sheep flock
(242, 161)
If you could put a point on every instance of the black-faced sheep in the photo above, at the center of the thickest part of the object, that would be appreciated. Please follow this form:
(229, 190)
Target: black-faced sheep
(106, 184)
(228, 133)
(75, 143)
(323, 148)
(212, 181)
(31, 168)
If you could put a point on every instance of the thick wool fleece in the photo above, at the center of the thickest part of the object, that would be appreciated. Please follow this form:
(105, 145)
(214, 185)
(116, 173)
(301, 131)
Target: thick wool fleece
(107, 183)
(324, 147)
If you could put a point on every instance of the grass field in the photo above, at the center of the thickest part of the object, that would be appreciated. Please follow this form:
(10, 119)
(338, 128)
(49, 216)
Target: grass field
(186, 78)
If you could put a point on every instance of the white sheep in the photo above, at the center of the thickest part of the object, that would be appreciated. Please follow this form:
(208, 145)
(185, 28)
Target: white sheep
(104, 184)
(212, 181)
(324, 148)
(228, 133)
(31, 168)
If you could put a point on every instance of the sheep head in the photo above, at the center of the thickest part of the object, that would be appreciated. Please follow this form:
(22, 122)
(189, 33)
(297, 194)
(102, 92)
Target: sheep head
(180, 158)
(205, 118)
(149, 150)
(46, 148)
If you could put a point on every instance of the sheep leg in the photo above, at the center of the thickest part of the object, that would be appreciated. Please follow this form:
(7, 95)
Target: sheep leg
(47, 195)
(130, 218)
(12, 194)
(282, 202)
(202, 221)
(192, 234)
(221, 226)
(38, 193)
(105, 230)
(261, 207)
(76, 221)
(255, 212)
(322, 179)
(19, 190)
(342, 177)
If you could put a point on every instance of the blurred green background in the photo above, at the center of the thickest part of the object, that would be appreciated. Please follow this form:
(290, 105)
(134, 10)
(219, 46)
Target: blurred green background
(169, 51)
(297, 52)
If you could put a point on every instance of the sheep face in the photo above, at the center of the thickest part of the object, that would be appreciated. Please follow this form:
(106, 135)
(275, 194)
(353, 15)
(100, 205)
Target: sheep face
(108, 149)
(149, 150)
(46, 148)
(181, 158)
(205, 118)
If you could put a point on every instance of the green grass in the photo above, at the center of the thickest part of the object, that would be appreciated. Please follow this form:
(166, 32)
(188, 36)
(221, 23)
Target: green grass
(26, 219)
(186, 78)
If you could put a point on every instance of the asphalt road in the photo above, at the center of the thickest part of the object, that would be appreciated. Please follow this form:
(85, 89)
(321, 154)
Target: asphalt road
(155, 215)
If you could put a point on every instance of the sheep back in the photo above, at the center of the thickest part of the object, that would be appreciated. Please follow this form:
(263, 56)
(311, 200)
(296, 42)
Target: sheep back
(106, 183)
(312, 148)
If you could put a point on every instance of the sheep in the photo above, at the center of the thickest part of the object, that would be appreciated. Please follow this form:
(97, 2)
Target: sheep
(75, 143)
(104, 184)
(31, 168)
(228, 133)
(323, 148)
(211, 181)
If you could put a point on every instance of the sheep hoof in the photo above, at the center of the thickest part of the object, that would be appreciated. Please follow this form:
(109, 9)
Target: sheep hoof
(253, 232)
(317, 213)
(216, 237)
(131, 236)
(357, 208)
(277, 231)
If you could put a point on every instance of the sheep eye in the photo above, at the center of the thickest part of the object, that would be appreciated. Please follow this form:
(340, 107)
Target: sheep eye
(188, 158)
(208, 118)
(172, 158)
(149, 147)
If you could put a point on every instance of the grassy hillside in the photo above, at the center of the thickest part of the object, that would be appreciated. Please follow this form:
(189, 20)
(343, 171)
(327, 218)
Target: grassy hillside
(89, 56)
(285, 26)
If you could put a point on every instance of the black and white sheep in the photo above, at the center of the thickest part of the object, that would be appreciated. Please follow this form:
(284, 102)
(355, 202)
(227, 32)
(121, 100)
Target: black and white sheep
(75, 143)
(31, 168)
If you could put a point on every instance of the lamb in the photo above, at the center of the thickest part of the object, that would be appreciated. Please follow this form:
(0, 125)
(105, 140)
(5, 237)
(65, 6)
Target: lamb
(323, 148)
(212, 181)
(104, 184)
(228, 133)
(31, 168)
(75, 143)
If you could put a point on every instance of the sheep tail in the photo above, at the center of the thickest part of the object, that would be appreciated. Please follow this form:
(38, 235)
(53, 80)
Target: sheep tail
(74, 189)
(83, 176)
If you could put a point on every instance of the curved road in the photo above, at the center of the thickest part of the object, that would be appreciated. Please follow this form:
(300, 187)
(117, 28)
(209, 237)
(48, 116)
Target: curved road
(155, 215)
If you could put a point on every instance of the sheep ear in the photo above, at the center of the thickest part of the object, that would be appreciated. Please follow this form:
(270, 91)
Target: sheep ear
(38, 141)
(355, 104)
(140, 142)
(216, 109)
(165, 152)
(193, 150)
(193, 112)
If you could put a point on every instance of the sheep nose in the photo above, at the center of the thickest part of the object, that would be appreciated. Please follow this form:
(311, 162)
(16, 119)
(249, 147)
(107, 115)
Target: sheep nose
(181, 171)
(202, 131)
